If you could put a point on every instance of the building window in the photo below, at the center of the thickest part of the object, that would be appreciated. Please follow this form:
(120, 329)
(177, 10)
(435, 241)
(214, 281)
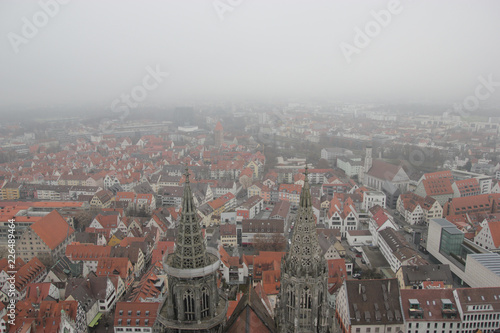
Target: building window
(205, 302)
(189, 309)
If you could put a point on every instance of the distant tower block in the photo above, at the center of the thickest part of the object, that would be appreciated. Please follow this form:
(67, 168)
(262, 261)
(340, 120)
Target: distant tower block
(366, 167)
(368, 158)
(218, 134)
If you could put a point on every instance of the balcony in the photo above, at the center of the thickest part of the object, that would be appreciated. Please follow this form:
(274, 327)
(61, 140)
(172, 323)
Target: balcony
(415, 311)
(447, 309)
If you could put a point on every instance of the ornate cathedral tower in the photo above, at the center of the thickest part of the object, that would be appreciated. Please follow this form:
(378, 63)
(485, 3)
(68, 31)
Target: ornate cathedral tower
(303, 303)
(218, 135)
(193, 302)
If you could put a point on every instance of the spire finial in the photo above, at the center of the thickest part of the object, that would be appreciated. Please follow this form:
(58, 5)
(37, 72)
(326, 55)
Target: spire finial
(306, 171)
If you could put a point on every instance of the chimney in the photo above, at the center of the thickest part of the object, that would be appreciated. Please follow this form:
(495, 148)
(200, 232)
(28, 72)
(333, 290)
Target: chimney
(37, 293)
(389, 287)
(359, 289)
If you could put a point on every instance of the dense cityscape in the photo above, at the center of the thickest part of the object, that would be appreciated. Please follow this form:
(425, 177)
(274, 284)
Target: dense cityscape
(232, 166)
(306, 218)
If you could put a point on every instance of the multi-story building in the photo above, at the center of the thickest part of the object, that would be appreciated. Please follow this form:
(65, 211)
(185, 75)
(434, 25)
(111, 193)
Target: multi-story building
(351, 166)
(250, 208)
(290, 193)
(136, 316)
(397, 251)
(484, 203)
(381, 172)
(430, 310)
(437, 185)
(331, 154)
(31, 272)
(489, 235)
(485, 182)
(89, 254)
(267, 228)
(11, 191)
(423, 276)
(479, 309)
(342, 215)
(466, 187)
(369, 306)
(379, 220)
(228, 236)
(373, 198)
(47, 237)
(471, 263)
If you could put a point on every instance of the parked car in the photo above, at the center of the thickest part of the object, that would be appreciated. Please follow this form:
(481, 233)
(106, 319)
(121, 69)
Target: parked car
(356, 275)
(358, 255)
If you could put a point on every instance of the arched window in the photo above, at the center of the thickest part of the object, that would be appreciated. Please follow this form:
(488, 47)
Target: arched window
(305, 299)
(290, 304)
(205, 302)
(305, 307)
(188, 300)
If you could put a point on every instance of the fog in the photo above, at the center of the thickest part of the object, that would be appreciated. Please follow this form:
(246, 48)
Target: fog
(90, 52)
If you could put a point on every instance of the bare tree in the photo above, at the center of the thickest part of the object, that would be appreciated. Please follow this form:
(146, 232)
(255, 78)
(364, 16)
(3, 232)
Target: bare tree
(264, 242)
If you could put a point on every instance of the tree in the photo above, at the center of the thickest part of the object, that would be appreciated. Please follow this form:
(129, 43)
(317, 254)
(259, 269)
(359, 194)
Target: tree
(468, 165)
(278, 242)
(323, 164)
(83, 219)
(264, 242)
(260, 242)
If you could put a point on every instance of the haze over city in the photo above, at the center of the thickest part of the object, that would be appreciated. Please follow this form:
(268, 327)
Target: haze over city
(258, 166)
(90, 52)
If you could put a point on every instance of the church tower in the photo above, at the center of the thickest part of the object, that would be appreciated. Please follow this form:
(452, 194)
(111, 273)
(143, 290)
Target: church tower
(218, 135)
(193, 302)
(303, 303)
(366, 166)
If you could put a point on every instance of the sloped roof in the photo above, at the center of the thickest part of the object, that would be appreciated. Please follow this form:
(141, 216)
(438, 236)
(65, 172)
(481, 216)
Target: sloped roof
(52, 229)
(250, 315)
(383, 170)
(495, 232)
(437, 186)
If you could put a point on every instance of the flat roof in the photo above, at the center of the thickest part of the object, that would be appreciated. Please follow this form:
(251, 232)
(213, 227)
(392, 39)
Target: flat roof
(489, 260)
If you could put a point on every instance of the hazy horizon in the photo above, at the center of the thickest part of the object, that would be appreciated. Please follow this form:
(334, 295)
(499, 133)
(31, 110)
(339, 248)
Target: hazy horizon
(91, 53)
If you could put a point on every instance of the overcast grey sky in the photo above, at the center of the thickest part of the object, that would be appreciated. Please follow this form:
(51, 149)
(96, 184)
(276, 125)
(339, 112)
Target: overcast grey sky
(92, 51)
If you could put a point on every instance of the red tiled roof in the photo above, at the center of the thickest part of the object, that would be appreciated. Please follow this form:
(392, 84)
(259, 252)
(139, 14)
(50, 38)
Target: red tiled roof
(28, 273)
(437, 186)
(77, 251)
(141, 311)
(52, 229)
(495, 232)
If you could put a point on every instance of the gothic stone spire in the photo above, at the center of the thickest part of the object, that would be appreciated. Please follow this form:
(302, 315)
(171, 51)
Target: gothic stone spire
(303, 303)
(305, 255)
(190, 249)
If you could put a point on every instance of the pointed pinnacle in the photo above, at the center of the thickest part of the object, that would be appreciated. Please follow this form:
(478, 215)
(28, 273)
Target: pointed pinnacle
(187, 174)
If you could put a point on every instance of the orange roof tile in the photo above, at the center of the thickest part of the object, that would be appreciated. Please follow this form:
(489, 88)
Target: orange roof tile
(52, 229)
